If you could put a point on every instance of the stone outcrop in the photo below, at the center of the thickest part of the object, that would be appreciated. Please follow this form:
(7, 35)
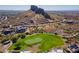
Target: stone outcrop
(39, 11)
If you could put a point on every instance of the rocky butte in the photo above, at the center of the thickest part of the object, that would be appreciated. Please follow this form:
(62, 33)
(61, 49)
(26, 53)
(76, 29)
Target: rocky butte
(38, 10)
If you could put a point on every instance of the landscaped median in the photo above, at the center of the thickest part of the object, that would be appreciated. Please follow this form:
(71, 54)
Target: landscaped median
(45, 41)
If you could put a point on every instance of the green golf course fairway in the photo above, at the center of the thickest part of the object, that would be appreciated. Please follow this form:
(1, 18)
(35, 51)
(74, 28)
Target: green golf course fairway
(46, 41)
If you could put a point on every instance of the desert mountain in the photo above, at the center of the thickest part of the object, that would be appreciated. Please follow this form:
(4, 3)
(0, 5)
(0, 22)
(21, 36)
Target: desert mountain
(34, 15)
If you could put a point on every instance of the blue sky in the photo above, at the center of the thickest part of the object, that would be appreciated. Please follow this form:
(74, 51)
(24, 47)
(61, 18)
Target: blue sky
(46, 7)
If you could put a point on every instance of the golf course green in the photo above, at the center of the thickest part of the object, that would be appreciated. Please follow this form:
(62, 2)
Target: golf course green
(46, 41)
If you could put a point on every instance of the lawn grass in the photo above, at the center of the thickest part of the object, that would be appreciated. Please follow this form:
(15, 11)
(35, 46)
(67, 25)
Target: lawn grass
(46, 41)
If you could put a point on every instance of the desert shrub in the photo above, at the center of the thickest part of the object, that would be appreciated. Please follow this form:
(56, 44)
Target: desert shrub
(23, 36)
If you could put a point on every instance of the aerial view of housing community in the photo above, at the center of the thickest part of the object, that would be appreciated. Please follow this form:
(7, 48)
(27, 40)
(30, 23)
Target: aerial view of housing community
(37, 30)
